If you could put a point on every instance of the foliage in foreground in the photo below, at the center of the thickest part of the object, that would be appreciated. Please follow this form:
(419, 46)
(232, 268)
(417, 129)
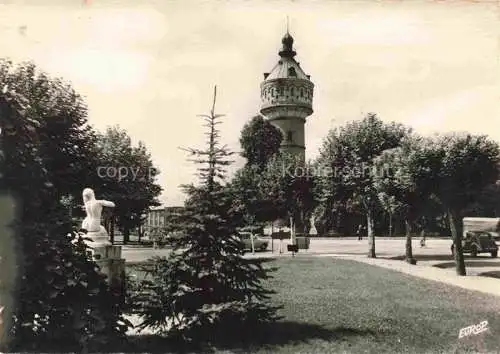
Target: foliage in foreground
(205, 289)
(64, 300)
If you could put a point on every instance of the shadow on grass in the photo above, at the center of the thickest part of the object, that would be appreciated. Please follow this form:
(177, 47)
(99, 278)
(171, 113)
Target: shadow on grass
(277, 334)
(340, 253)
(267, 258)
(476, 264)
(446, 257)
(425, 257)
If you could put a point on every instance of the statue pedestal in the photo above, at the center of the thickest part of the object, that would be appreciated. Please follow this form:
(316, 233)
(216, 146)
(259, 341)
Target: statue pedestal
(108, 258)
(107, 252)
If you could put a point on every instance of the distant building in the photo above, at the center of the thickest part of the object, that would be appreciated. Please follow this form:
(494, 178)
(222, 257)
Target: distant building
(158, 216)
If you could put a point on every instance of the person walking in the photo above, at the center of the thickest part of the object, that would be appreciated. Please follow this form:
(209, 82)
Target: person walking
(360, 232)
(422, 241)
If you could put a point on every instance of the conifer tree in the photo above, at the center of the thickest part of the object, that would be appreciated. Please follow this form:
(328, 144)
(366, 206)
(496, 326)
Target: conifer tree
(205, 289)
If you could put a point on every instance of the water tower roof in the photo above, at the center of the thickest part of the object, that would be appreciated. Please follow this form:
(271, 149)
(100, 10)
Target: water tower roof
(287, 67)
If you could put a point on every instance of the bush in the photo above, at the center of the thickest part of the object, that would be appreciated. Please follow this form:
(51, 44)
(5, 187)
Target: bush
(64, 300)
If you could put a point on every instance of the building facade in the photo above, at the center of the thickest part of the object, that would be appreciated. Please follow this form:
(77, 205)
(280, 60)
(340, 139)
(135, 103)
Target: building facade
(158, 216)
(155, 218)
(286, 99)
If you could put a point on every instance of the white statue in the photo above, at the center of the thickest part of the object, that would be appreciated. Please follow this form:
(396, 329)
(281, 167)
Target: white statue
(312, 230)
(92, 223)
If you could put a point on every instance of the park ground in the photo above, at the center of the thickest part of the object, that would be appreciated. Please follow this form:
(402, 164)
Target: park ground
(331, 304)
(436, 253)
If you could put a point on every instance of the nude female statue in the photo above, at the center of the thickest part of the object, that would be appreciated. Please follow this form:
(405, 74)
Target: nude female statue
(312, 230)
(92, 222)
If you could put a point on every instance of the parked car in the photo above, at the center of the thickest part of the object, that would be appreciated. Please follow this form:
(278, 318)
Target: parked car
(495, 235)
(476, 242)
(260, 244)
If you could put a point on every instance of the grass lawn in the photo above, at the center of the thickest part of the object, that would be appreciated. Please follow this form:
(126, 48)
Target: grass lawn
(332, 305)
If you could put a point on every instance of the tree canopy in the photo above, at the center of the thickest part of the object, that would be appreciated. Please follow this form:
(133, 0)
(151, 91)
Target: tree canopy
(349, 154)
(126, 175)
(466, 164)
(259, 141)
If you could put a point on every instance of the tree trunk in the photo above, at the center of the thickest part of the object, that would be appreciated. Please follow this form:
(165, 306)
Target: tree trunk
(126, 235)
(409, 250)
(112, 230)
(457, 241)
(292, 231)
(371, 234)
(272, 237)
(390, 224)
(140, 232)
(10, 262)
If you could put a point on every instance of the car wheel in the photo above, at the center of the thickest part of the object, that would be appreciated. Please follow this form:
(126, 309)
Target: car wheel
(494, 254)
(473, 251)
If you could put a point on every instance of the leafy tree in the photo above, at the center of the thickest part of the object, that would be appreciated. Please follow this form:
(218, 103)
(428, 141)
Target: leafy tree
(467, 165)
(259, 140)
(65, 139)
(349, 152)
(253, 204)
(60, 296)
(403, 186)
(288, 182)
(487, 203)
(330, 192)
(205, 289)
(126, 175)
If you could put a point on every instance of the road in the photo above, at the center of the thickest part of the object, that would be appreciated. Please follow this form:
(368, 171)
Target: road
(435, 253)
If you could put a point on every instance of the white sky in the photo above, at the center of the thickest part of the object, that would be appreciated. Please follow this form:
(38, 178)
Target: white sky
(151, 67)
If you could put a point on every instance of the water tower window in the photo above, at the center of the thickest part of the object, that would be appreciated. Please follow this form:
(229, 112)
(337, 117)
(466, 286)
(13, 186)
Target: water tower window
(291, 72)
